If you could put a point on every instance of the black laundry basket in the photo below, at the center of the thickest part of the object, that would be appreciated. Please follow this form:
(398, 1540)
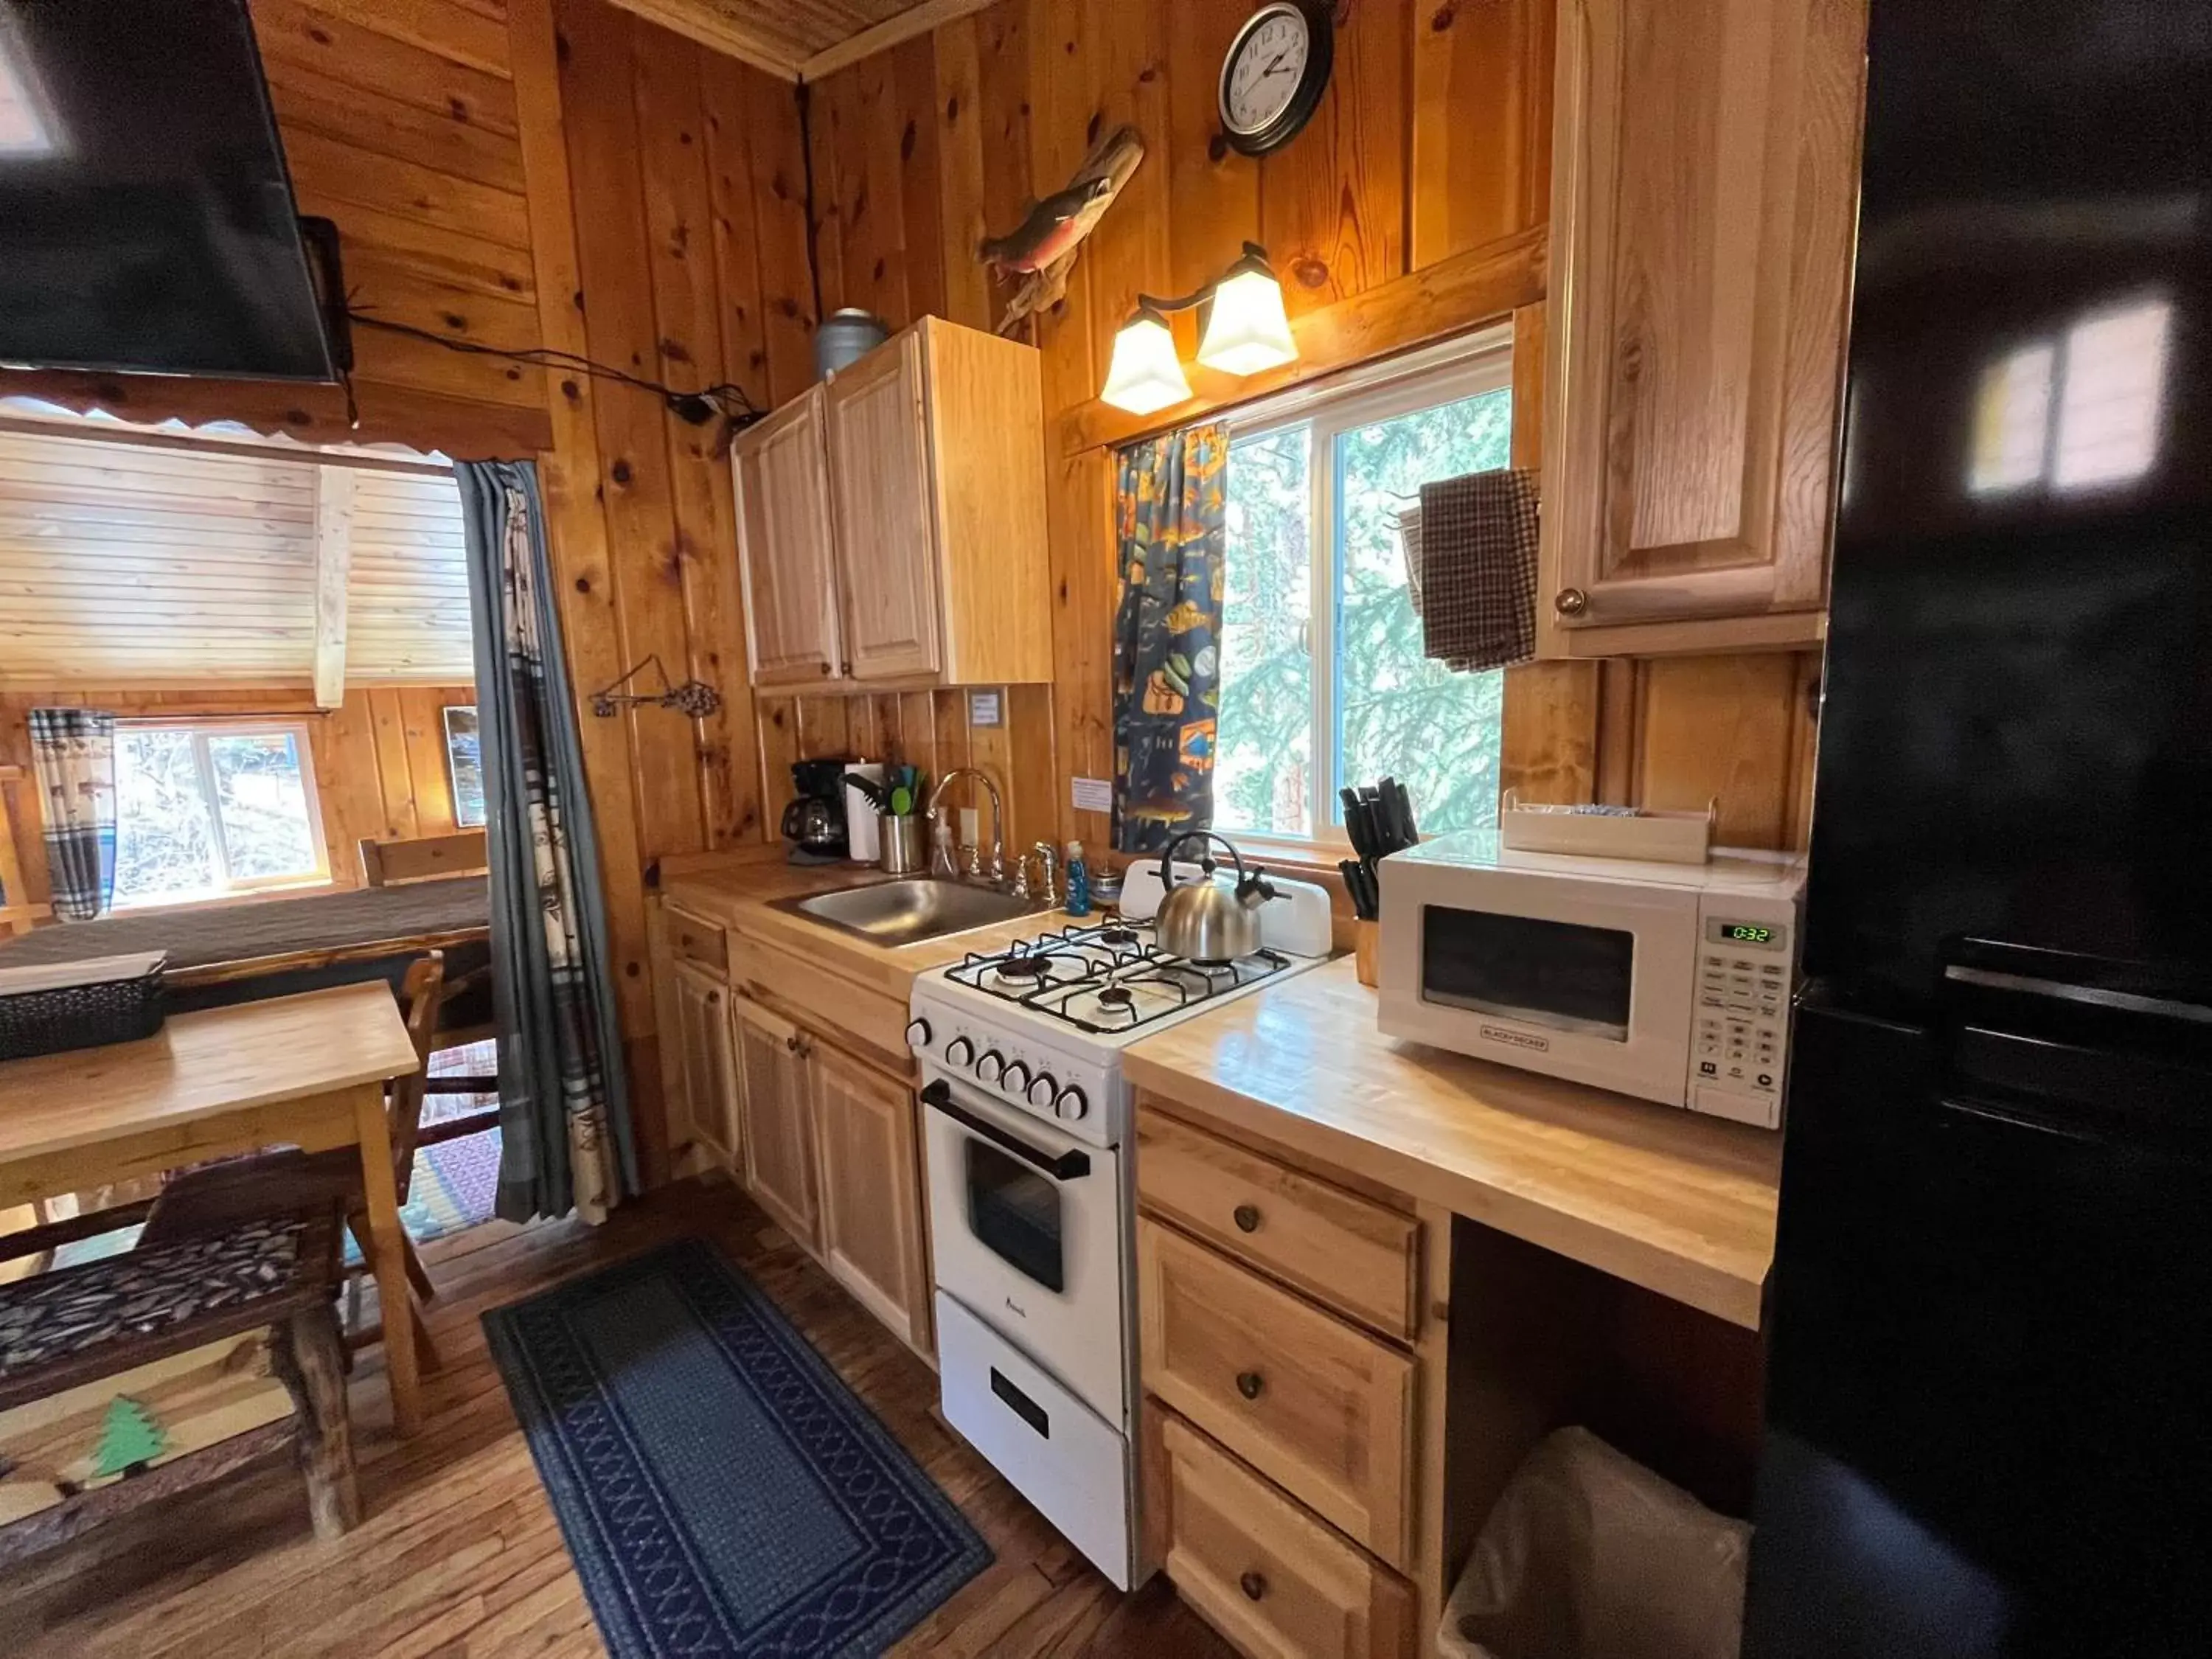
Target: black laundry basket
(65, 1017)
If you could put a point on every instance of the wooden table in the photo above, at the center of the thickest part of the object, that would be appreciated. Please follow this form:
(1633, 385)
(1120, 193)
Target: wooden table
(305, 1071)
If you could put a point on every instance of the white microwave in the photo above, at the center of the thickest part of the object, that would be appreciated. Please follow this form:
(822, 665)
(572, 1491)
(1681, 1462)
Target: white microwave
(1664, 980)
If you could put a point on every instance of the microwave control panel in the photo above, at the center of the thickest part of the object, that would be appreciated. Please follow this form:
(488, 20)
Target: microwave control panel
(1739, 1041)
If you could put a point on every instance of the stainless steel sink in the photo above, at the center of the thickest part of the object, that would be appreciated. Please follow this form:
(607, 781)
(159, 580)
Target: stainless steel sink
(906, 912)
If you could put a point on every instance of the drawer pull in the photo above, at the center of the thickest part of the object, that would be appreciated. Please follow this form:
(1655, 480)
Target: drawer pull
(1246, 1218)
(1254, 1585)
(1248, 1383)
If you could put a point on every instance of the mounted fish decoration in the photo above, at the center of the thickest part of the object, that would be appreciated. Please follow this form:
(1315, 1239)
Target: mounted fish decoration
(1038, 253)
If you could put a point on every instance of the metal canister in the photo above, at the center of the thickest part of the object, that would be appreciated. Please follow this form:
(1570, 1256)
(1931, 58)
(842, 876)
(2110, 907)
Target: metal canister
(846, 337)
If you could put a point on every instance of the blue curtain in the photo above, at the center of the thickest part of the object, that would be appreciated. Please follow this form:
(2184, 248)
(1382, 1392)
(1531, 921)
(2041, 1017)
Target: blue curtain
(1171, 513)
(565, 1136)
(73, 752)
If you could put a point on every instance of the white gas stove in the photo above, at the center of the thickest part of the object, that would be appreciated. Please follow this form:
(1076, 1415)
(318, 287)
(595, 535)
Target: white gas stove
(1032, 1199)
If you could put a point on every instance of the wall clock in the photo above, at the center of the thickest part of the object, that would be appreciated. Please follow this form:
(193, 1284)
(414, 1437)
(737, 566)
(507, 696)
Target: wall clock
(1275, 73)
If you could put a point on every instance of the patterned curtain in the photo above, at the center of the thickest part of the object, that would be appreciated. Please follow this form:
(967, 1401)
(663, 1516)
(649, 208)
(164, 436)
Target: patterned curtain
(565, 1137)
(73, 751)
(1170, 510)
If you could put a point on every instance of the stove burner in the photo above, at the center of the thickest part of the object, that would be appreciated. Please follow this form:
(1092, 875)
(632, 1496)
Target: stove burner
(1116, 936)
(1114, 996)
(1031, 966)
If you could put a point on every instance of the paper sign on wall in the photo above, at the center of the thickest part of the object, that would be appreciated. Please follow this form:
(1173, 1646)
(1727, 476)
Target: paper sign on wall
(1093, 795)
(983, 708)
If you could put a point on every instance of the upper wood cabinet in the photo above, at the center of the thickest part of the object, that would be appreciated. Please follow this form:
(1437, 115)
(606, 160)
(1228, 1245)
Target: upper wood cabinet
(928, 563)
(1703, 198)
(790, 551)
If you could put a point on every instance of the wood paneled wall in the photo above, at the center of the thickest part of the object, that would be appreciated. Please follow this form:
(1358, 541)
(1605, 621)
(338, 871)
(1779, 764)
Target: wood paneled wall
(379, 757)
(1433, 142)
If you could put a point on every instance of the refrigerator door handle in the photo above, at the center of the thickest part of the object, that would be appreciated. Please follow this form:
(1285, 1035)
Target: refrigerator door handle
(2095, 996)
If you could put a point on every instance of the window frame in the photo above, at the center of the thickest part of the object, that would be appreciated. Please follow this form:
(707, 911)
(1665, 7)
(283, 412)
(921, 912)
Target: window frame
(1470, 367)
(229, 886)
(452, 773)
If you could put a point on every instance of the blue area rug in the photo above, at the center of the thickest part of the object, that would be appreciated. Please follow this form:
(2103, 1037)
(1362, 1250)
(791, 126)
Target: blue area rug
(721, 1492)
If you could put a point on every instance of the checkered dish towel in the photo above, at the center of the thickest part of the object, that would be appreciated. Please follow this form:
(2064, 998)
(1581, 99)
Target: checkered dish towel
(1471, 565)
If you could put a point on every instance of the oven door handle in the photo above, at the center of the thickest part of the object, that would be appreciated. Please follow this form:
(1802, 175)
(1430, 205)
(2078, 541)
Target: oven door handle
(1068, 1166)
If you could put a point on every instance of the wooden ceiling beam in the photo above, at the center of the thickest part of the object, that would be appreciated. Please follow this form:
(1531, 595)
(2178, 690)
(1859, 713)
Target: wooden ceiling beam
(334, 494)
(893, 31)
(713, 27)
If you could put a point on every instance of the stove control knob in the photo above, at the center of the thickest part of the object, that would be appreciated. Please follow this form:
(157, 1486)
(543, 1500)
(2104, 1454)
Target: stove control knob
(960, 1052)
(991, 1067)
(1042, 1090)
(1016, 1081)
(918, 1033)
(1072, 1103)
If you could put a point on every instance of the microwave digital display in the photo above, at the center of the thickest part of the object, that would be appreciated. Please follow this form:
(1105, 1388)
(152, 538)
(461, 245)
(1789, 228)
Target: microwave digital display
(1555, 973)
(1759, 935)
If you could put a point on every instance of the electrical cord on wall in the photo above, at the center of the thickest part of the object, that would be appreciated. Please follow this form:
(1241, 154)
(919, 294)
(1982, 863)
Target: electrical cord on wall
(725, 400)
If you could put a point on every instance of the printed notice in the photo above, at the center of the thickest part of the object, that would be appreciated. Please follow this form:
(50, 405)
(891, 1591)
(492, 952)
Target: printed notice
(1093, 795)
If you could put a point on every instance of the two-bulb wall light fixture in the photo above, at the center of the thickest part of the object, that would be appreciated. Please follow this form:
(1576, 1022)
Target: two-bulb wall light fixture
(1242, 329)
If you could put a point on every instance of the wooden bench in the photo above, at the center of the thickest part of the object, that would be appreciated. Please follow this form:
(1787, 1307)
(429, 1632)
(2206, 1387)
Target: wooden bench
(262, 1294)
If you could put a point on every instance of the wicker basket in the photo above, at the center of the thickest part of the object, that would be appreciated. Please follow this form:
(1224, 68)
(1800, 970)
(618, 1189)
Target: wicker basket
(82, 1016)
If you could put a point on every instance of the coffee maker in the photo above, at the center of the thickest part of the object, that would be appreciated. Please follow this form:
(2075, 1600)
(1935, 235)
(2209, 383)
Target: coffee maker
(814, 822)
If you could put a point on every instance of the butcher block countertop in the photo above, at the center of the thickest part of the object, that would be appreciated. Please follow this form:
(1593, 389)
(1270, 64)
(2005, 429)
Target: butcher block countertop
(742, 897)
(1678, 1203)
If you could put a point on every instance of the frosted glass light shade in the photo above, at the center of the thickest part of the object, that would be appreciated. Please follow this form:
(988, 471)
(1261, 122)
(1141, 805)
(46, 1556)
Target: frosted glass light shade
(1145, 375)
(1246, 329)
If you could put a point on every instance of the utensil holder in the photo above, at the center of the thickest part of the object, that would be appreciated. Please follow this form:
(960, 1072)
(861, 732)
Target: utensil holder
(1366, 953)
(901, 841)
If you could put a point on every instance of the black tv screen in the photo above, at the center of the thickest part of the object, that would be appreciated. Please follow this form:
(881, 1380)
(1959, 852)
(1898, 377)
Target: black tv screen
(146, 219)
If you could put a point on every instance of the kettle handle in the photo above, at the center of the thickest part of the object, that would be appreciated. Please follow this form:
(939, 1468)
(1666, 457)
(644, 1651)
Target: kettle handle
(1167, 859)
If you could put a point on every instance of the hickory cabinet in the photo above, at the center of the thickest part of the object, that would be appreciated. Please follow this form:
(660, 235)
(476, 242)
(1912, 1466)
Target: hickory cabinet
(801, 1105)
(892, 519)
(1704, 199)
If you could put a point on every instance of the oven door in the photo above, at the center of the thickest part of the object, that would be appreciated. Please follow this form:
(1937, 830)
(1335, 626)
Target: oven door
(1026, 1230)
(1590, 980)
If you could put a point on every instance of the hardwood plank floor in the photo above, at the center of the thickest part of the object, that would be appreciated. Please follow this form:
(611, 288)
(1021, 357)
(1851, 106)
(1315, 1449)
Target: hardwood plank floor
(460, 1553)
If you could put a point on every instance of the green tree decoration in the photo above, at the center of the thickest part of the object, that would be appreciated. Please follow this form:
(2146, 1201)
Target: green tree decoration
(130, 1439)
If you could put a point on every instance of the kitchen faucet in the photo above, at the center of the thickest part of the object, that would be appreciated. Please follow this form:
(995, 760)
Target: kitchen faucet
(1047, 861)
(936, 814)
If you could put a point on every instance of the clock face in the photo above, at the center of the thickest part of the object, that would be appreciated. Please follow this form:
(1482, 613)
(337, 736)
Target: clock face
(1265, 68)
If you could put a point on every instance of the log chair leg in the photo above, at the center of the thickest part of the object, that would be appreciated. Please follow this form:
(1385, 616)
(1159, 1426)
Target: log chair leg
(417, 1274)
(425, 1348)
(309, 1357)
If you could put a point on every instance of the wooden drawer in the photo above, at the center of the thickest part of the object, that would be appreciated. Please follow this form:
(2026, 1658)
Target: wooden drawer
(1339, 1249)
(870, 1022)
(1262, 1571)
(691, 939)
(1323, 1409)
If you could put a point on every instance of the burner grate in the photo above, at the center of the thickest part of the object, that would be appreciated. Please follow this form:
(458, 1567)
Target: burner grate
(1107, 980)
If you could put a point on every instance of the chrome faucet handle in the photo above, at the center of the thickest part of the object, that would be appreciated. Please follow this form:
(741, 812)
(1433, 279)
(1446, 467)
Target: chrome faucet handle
(998, 861)
(976, 860)
(1020, 889)
(1047, 863)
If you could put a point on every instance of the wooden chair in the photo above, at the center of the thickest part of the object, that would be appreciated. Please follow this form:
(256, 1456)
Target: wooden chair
(259, 1295)
(219, 1195)
(425, 858)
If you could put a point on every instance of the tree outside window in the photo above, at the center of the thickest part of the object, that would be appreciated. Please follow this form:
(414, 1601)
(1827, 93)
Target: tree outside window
(1315, 575)
(202, 811)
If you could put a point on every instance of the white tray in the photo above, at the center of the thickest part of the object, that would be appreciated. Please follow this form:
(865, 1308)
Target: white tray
(1652, 837)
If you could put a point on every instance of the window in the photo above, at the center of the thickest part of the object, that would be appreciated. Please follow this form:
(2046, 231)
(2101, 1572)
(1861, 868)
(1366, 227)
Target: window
(202, 812)
(464, 765)
(1322, 679)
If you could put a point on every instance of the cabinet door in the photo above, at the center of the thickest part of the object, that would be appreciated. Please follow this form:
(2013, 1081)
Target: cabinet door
(871, 1192)
(886, 509)
(1704, 197)
(709, 1073)
(786, 546)
(778, 1118)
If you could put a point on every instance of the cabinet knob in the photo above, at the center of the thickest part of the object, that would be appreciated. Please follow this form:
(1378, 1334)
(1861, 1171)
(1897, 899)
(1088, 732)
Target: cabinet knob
(1255, 1585)
(1570, 602)
(1248, 1383)
(791, 1044)
(1246, 1218)
(828, 669)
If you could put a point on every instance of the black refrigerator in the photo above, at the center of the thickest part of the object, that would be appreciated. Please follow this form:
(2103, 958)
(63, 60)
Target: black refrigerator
(1990, 1396)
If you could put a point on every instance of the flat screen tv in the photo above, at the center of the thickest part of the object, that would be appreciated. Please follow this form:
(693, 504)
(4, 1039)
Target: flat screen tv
(146, 218)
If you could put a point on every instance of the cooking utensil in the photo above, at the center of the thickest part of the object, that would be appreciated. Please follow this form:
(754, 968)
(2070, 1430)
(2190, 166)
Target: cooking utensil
(1203, 920)
(878, 796)
(901, 801)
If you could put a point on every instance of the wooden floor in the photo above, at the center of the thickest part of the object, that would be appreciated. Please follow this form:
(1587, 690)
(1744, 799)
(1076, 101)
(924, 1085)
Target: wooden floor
(460, 1553)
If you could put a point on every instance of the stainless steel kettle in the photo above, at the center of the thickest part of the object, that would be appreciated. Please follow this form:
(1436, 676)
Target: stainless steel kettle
(1202, 919)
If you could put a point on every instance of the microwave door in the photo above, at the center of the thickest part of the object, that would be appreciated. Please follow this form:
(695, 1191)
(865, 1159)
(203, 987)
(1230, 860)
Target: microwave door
(1571, 977)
